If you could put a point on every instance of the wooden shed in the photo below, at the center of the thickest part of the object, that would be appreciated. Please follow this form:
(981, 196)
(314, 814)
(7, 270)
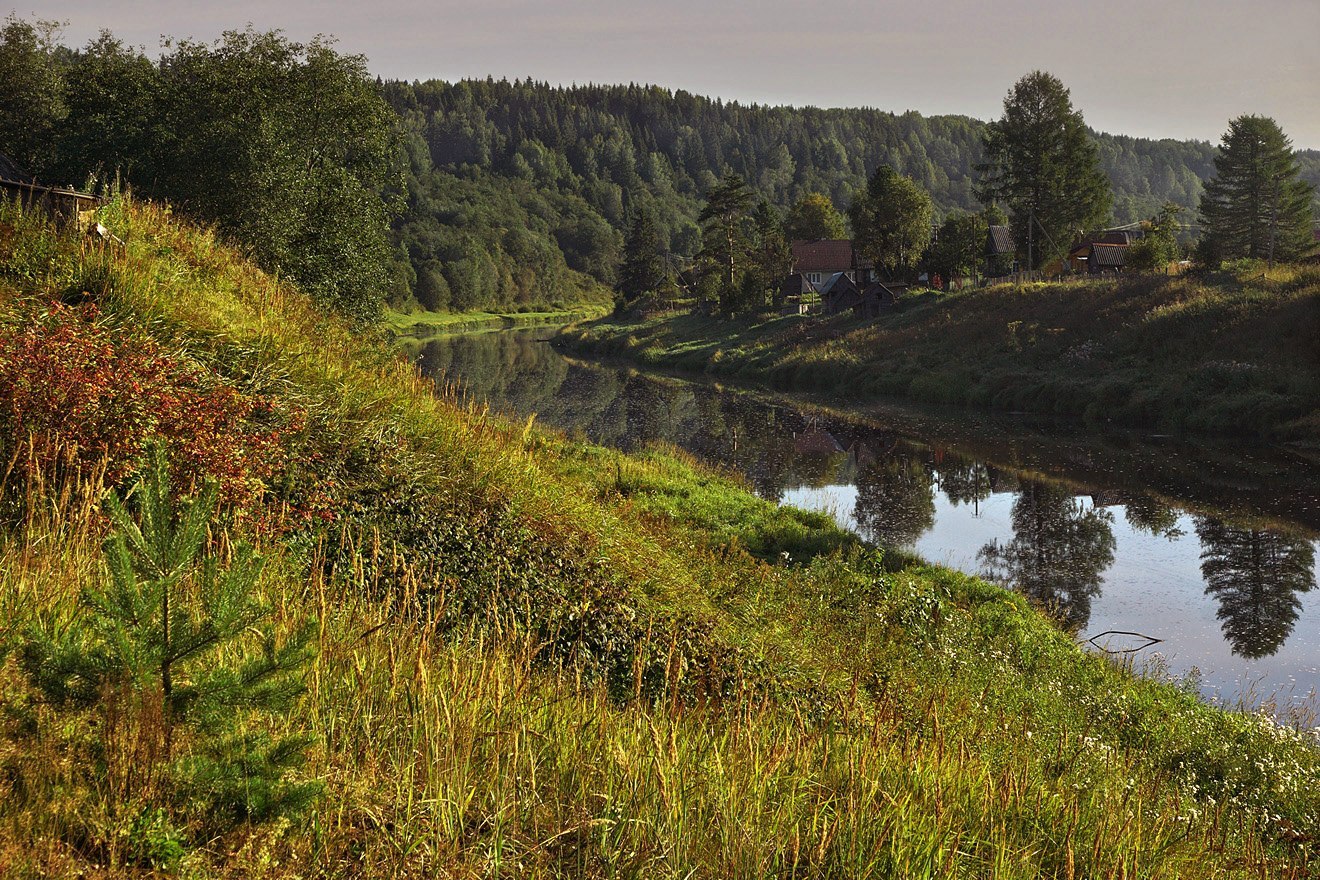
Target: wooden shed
(1106, 259)
(839, 293)
(878, 298)
(64, 204)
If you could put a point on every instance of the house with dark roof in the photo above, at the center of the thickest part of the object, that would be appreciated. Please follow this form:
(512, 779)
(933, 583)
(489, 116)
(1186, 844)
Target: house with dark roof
(1079, 256)
(818, 260)
(1000, 251)
(1103, 258)
(61, 202)
(838, 293)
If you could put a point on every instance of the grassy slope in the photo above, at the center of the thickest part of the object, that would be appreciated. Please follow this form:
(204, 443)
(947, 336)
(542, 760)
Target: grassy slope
(607, 679)
(1227, 354)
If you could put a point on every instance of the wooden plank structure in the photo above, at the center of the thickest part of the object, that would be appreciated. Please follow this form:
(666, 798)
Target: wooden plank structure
(878, 298)
(839, 293)
(64, 204)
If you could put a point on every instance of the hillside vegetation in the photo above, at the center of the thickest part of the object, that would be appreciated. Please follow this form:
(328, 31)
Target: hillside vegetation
(526, 655)
(583, 160)
(1226, 352)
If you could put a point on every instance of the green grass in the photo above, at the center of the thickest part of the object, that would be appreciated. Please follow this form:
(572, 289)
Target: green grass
(1231, 353)
(542, 658)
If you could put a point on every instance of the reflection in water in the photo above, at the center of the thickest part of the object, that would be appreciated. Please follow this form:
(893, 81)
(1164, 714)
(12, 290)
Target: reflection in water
(964, 481)
(895, 504)
(980, 511)
(1148, 514)
(1060, 548)
(1255, 575)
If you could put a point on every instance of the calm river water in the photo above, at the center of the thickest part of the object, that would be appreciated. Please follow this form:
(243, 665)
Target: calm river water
(1211, 549)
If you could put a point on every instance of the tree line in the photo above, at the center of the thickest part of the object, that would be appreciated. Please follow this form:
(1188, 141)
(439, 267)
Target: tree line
(497, 194)
(287, 147)
(602, 158)
(1042, 167)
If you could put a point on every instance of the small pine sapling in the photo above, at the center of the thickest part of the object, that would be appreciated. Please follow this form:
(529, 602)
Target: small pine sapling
(179, 661)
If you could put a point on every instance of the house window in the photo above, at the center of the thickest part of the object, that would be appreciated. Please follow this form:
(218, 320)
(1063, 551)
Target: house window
(813, 277)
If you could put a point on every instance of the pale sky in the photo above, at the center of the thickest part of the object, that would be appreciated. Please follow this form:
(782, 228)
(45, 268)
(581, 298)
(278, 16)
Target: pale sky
(1147, 68)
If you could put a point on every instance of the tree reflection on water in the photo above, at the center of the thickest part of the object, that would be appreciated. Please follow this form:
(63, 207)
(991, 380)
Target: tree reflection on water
(1256, 575)
(1060, 545)
(1059, 551)
(895, 505)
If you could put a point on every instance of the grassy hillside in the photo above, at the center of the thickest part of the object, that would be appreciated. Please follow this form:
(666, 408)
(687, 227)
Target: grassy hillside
(532, 656)
(1229, 353)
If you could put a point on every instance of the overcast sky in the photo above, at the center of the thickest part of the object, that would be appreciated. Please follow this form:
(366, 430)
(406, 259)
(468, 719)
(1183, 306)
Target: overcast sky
(1149, 68)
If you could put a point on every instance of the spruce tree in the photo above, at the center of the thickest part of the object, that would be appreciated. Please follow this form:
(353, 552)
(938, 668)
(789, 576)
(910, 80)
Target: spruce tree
(772, 257)
(1041, 163)
(644, 269)
(1256, 575)
(1256, 206)
(176, 654)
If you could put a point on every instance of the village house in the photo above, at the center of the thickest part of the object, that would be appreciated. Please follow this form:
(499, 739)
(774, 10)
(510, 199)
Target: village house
(830, 275)
(819, 260)
(1100, 253)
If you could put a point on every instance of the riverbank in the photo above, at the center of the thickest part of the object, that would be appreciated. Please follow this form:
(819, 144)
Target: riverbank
(1230, 354)
(535, 656)
(417, 327)
(1074, 519)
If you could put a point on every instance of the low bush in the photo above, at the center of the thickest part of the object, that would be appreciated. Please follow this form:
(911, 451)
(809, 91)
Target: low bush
(81, 397)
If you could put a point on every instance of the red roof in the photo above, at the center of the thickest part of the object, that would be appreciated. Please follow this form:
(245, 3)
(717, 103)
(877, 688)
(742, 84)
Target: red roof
(825, 255)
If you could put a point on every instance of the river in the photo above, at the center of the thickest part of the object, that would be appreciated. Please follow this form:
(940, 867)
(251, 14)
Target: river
(1208, 548)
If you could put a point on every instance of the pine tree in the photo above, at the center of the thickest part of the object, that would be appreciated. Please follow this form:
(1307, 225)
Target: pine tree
(1043, 165)
(1256, 206)
(177, 654)
(725, 238)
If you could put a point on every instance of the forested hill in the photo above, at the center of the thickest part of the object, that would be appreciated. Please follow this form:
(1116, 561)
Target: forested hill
(565, 165)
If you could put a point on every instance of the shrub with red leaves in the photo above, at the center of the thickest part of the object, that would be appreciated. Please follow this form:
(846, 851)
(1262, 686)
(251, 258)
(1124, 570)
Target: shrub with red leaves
(75, 393)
